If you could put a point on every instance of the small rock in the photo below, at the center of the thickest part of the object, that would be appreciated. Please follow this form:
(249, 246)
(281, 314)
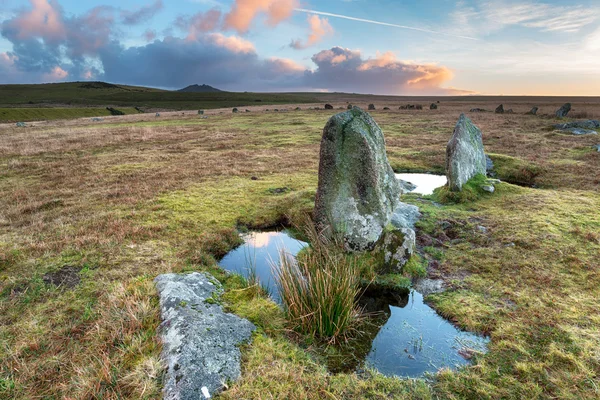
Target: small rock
(328, 107)
(234, 110)
(427, 286)
(488, 188)
(489, 164)
(200, 112)
(157, 115)
(398, 246)
(580, 131)
(405, 216)
(500, 109)
(533, 111)
(349, 107)
(433, 106)
(597, 147)
(586, 124)
(21, 125)
(478, 110)
(510, 244)
(481, 229)
(371, 107)
(386, 108)
(406, 186)
(247, 110)
(254, 178)
(297, 109)
(563, 111)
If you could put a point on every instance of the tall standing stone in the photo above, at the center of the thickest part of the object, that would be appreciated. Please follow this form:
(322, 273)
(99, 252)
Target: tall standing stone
(465, 157)
(358, 191)
(564, 110)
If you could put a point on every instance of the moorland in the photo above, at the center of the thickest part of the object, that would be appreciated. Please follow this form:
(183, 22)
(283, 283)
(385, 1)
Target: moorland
(103, 207)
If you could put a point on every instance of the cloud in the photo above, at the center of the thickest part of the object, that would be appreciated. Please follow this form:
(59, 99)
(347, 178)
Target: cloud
(143, 14)
(59, 47)
(56, 74)
(149, 35)
(227, 62)
(318, 29)
(243, 12)
(493, 16)
(199, 23)
(43, 20)
(343, 69)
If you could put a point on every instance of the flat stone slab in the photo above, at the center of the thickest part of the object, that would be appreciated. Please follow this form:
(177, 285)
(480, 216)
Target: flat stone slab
(200, 341)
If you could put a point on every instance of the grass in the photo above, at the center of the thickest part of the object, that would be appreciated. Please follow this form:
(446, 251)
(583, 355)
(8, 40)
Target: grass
(319, 290)
(150, 99)
(132, 197)
(48, 114)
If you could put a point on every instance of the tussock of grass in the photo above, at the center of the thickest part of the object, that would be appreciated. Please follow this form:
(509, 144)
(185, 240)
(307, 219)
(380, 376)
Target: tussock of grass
(515, 170)
(319, 290)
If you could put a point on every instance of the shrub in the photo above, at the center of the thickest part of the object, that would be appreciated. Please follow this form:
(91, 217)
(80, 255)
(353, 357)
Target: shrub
(114, 111)
(319, 290)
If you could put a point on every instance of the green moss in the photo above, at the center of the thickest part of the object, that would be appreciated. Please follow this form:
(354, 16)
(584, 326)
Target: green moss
(470, 192)
(415, 267)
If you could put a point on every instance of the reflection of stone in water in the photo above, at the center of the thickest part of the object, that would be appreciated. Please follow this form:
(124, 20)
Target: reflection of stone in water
(376, 299)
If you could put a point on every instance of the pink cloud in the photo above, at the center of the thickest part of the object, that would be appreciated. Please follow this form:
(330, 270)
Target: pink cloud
(149, 35)
(56, 74)
(200, 23)
(319, 27)
(234, 44)
(346, 70)
(243, 12)
(43, 20)
(285, 65)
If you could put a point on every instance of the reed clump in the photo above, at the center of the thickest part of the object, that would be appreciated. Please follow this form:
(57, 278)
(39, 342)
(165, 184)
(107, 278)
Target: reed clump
(319, 289)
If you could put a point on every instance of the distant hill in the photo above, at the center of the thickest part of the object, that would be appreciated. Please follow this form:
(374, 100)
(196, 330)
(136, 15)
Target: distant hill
(199, 89)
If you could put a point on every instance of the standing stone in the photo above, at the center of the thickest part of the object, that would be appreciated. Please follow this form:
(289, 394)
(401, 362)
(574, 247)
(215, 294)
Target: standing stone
(533, 111)
(371, 107)
(234, 110)
(200, 341)
(200, 112)
(349, 107)
(500, 109)
(433, 106)
(564, 110)
(328, 107)
(465, 157)
(358, 191)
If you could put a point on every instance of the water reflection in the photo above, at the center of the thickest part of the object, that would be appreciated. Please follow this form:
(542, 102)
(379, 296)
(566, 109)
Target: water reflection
(259, 250)
(426, 183)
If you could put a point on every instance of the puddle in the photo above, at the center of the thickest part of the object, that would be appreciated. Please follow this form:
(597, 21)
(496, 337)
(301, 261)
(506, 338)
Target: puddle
(258, 250)
(416, 340)
(412, 338)
(425, 183)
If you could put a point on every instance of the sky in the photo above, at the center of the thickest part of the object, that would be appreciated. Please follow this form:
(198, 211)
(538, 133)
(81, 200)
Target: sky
(398, 47)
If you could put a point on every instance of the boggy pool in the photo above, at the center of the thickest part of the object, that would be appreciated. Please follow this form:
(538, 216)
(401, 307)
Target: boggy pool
(414, 339)
(425, 183)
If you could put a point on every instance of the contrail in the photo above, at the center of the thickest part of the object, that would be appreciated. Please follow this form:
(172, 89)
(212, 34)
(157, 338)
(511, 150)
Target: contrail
(370, 21)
